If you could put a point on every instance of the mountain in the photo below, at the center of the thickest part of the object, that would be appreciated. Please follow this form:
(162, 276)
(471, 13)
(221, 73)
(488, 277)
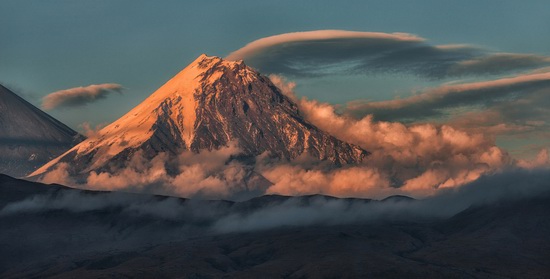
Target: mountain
(208, 105)
(29, 137)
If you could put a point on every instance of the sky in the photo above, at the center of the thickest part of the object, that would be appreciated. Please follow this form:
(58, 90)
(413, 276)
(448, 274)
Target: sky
(133, 47)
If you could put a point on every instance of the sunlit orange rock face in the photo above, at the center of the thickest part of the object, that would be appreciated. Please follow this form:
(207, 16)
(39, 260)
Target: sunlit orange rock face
(210, 104)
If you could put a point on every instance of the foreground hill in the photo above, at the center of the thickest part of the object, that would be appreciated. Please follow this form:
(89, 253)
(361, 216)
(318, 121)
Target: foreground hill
(61, 232)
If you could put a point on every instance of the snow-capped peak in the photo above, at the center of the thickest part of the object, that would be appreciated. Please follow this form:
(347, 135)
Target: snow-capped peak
(207, 105)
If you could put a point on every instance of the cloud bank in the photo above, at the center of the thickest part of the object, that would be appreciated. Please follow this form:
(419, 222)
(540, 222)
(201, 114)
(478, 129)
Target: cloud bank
(417, 160)
(79, 96)
(324, 52)
(508, 186)
(208, 174)
(505, 186)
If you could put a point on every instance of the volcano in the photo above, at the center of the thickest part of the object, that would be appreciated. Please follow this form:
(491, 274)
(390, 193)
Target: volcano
(29, 137)
(210, 104)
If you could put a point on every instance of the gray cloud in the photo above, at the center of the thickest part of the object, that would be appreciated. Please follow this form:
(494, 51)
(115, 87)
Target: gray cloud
(79, 96)
(507, 95)
(322, 52)
(165, 208)
(495, 63)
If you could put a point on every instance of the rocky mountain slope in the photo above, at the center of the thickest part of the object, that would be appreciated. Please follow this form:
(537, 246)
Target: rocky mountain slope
(208, 105)
(29, 137)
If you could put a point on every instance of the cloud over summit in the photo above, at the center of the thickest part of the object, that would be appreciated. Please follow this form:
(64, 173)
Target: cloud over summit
(324, 52)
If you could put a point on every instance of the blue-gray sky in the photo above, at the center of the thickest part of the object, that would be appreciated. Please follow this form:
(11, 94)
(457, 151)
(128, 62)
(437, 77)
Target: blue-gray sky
(47, 46)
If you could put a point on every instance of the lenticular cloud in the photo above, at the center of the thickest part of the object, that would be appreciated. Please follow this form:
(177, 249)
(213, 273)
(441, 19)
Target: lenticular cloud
(79, 96)
(328, 52)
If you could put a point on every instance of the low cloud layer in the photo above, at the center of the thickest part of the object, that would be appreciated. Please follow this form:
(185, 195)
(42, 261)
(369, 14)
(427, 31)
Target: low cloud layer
(324, 52)
(507, 185)
(209, 175)
(79, 96)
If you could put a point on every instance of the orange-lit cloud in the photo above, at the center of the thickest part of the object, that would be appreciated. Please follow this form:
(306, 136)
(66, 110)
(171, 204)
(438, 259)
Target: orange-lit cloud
(59, 175)
(208, 174)
(79, 96)
(87, 130)
(542, 160)
(417, 158)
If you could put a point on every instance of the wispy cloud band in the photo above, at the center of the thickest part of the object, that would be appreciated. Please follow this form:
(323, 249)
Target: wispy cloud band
(432, 102)
(79, 96)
